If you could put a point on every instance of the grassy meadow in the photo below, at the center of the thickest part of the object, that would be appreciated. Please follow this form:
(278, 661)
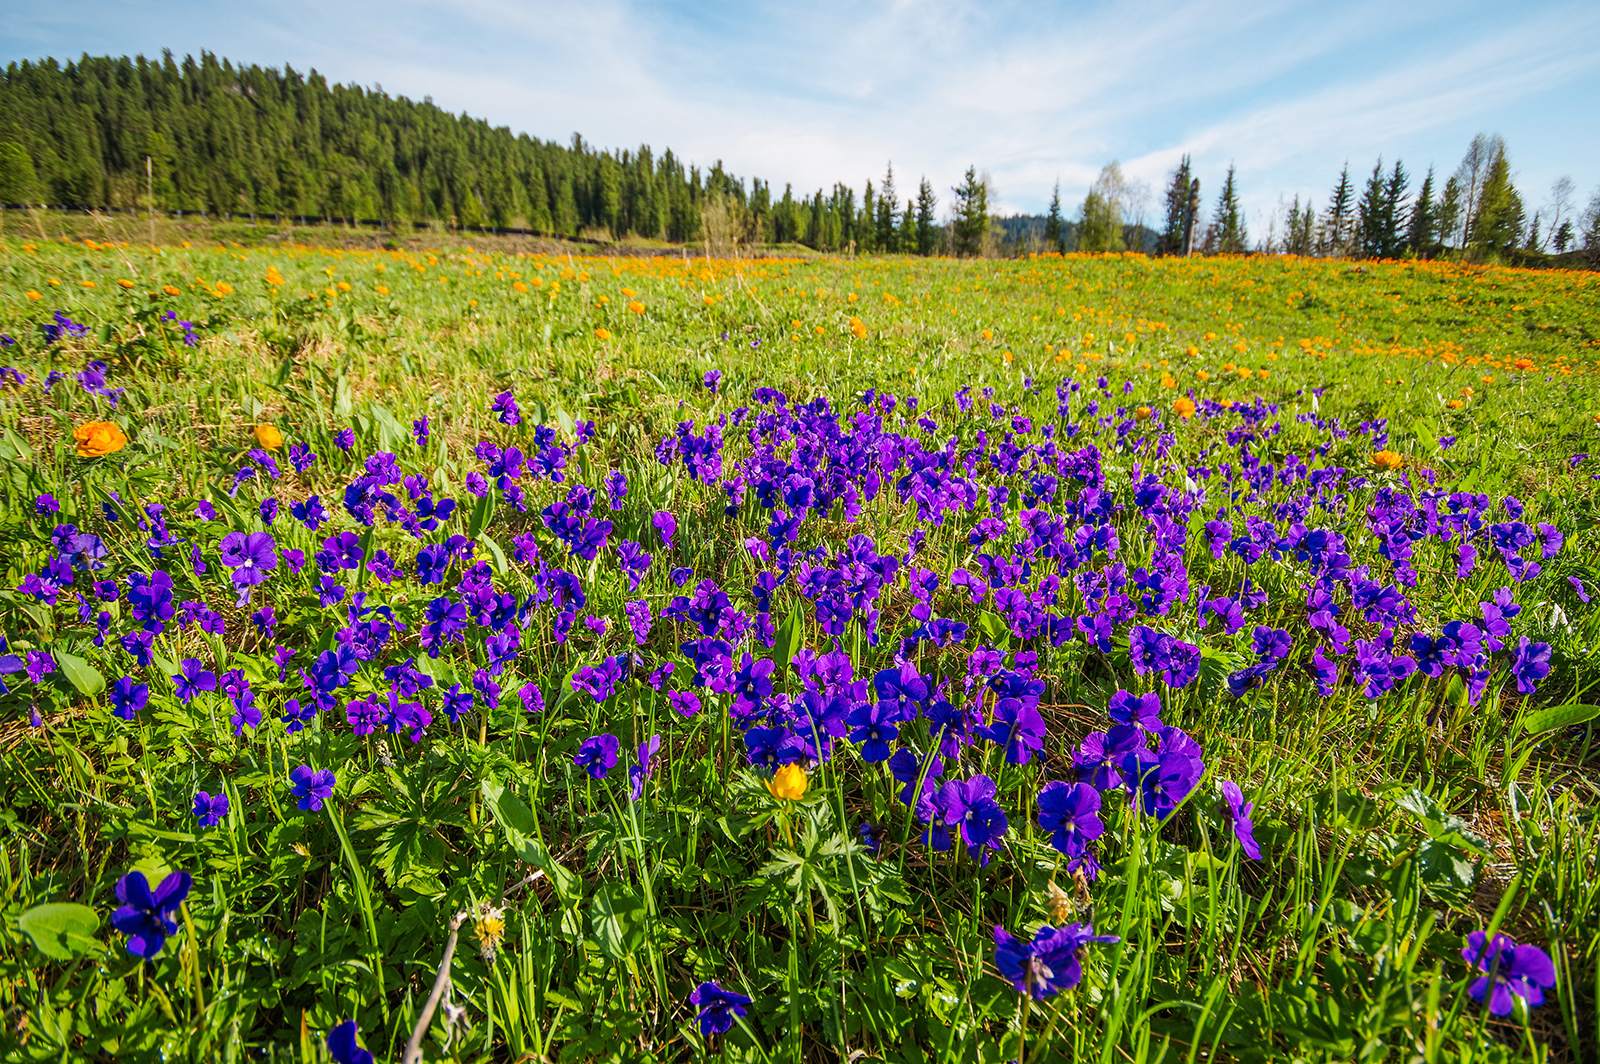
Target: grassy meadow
(526, 643)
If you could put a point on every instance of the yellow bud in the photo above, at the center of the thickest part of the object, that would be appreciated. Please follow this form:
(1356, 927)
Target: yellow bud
(788, 783)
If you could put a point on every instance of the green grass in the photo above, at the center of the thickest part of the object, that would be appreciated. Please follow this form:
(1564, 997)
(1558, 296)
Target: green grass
(1390, 828)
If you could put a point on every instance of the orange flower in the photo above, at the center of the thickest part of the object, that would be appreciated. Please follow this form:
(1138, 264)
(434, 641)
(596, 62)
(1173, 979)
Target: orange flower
(226, 289)
(636, 306)
(33, 295)
(383, 290)
(273, 278)
(788, 784)
(96, 439)
(1183, 407)
(1142, 413)
(988, 334)
(268, 436)
(123, 282)
(1522, 363)
(1192, 351)
(1455, 404)
(1387, 460)
(602, 334)
(519, 286)
(343, 286)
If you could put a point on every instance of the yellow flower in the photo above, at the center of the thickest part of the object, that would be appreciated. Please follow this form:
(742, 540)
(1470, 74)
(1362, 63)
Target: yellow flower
(1183, 407)
(1387, 460)
(225, 289)
(636, 306)
(1455, 404)
(383, 290)
(33, 295)
(1142, 413)
(97, 439)
(1522, 363)
(518, 286)
(273, 278)
(788, 783)
(343, 286)
(87, 284)
(988, 334)
(268, 436)
(170, 290)
(602, 334)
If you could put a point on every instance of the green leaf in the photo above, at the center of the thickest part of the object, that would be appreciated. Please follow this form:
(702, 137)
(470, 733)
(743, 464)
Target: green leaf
(1557, 717)
(61, 930)
(481, 512)
(84, 676)
(616, 920)
(1440, 825)
(790, 636)
(522, 832)
(499, 555)
(995, 627)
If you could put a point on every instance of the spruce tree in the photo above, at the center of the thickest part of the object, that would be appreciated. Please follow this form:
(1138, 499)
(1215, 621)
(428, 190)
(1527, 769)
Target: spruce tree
(1231, 237)
(884, 222)
(1497, 218)
(971, 221)
(1424, 219)
(1449, 211)
(19, 182)
(906, 238)
(1177, 210)
(1369, 215)
(1054, 237)
(927, 202)
(1394, 210)
(1336, 220)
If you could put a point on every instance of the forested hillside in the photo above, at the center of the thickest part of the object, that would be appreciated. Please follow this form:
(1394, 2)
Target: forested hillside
(248, 139)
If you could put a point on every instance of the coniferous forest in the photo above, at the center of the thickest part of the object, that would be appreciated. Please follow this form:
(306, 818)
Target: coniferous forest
(211, 136)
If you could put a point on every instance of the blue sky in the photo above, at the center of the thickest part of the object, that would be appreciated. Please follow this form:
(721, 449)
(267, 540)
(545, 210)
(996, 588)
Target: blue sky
(824, 90)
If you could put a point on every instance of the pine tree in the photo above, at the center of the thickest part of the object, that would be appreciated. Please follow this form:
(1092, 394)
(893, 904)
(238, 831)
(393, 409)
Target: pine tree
(1230, 235)
(1298, 230)
(1424, 223)
(1336, 220)
(1054, 237)
(1497, 218)
(1448, 211)
(1394, 210)
(884, 222)
(19, 182)
(907, 237)
(927, 202)
(1369, 215)
(971, 221)
(1177, 210)
(866, 227)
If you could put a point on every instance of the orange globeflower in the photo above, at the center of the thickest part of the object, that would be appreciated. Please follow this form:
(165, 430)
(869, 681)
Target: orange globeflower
(636, 306)
(1191, 351)
(96, 439)
(1142, 413)
(1387, 460)
(123, 282)
(1454, 404)
(1183, 407)
(268, 436)
(225, 289)
(602, 334)
(1522, 363)
(33, 295)
(788, 784)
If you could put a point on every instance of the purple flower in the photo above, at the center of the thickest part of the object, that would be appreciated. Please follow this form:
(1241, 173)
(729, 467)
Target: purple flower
(505, 405)
(1071, 812)
(342, 1045)
(1512, 971)
(1243, 826)
(597, 755)
(249, 556)
(1532, 664)
(687, 703)
(40, 664)
(970, 805)
(312, 787)
(532, 698)
(1141, 711)
(128, 697)
(193, 679)
(210, 809)
(667, 525)
(718, 1007)
(640, 772)
(1047, 965)
(1577, 585)
(146, 916)
(1018, 727)
(712, 379)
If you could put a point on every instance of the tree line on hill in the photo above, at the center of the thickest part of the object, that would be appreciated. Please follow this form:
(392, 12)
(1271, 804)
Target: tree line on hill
(212, 136)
